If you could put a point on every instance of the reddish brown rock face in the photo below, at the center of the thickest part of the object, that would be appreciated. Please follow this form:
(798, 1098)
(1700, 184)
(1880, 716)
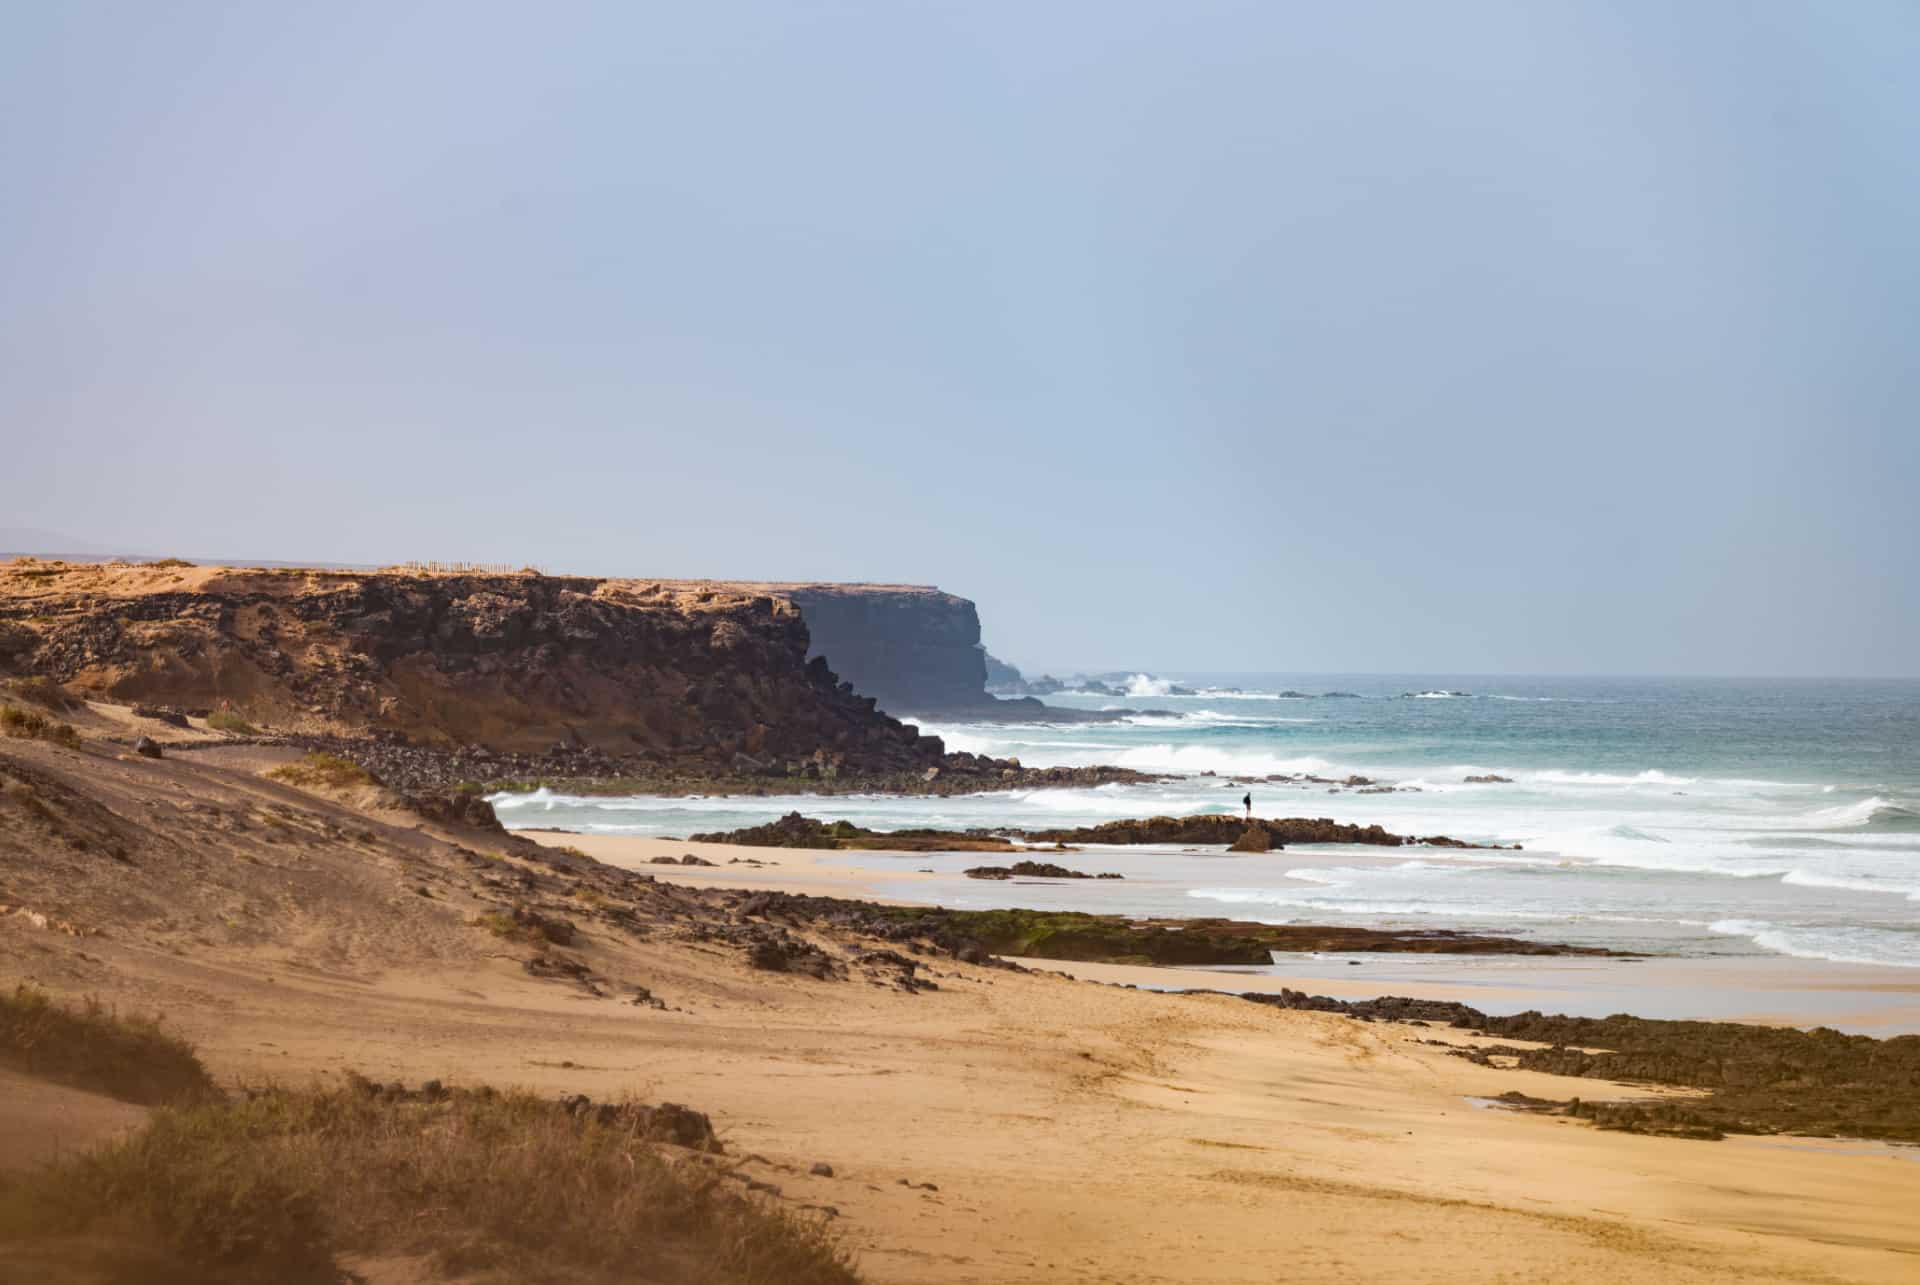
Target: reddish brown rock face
(681, 669)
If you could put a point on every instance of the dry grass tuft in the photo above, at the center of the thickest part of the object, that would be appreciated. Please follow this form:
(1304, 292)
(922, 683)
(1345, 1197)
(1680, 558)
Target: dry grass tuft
(26, 724)
(222, 720)
(94, 1048)
(270, 1188)
(526, 925)
(320, 768)
(44, 692)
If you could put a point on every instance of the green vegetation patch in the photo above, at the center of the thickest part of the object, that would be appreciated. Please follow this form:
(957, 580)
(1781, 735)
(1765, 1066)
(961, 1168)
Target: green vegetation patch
(1762, 1079)
(321, 769)
(94, 1048)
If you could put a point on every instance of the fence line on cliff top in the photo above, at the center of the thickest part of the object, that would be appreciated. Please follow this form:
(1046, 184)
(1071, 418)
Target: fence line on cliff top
(462, 569)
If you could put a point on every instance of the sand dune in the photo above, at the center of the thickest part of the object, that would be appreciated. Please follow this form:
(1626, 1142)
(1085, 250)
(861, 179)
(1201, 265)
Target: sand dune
(1004, 1127)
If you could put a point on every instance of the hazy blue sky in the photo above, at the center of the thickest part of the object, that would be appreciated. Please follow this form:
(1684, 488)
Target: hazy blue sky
(1445, 337)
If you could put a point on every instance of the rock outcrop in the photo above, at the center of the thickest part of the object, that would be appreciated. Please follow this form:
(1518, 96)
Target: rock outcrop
(916, 650)
(1230, 829)
(1262, 834)
(913, 648)
(1035, 870)
(687, 671)
(1253, 839)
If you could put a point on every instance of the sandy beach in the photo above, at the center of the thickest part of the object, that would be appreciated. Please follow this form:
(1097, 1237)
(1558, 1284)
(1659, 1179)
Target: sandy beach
(1771, 990)
(1006, 1126)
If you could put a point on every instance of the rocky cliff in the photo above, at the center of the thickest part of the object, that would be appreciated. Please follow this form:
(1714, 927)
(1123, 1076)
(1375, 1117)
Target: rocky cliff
(682, 670)
(917, 651)
(912, 648)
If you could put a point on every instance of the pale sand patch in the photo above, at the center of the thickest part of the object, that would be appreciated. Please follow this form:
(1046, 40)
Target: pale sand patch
(812, 871)
(1778, 992)
(1765, 989)
(42, 1121)
(1077, 1132)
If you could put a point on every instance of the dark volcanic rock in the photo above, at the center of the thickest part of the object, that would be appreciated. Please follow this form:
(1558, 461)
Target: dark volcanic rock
(797, 831)
(1034, 870)
(1253, 839)
(790, 831)
(1230, 829)
(976, 934)
(468, 811)
(146, 747)
(775, 950)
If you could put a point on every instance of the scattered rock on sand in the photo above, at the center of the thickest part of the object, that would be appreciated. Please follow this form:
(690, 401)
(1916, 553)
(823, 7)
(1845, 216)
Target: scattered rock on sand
(147, 747)
(776, 950)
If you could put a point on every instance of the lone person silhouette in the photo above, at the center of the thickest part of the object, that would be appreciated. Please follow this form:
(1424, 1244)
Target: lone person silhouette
(1248, 800)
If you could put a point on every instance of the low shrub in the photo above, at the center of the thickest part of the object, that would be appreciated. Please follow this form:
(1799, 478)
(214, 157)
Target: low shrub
(92, 1047)
(320, 768)
(222, 720)
(44, 692)
(270, 1188)
(26, 724)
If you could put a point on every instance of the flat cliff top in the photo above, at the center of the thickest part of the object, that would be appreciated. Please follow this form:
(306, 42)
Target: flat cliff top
(696, 672)
(49, 579)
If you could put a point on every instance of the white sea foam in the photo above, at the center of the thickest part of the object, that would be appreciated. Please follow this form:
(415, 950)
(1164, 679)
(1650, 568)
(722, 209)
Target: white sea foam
(1849, 883)
(1334, 904)
(1147, 685)
(1223, 694)
(1839, 944)
(1652, 776)
(1167, 757)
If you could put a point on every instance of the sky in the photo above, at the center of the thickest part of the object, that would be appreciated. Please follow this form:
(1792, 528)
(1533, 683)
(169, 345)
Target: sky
(1405, 337)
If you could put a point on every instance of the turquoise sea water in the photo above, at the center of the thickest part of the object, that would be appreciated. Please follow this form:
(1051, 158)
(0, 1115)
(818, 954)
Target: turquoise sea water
(1698, 815)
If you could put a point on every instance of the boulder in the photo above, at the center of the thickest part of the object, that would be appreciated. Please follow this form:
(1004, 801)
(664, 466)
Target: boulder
(1253, 839)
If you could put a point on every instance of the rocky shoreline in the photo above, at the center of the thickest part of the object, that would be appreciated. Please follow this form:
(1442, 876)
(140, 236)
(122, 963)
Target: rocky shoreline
(1259, 835)
(578, 769)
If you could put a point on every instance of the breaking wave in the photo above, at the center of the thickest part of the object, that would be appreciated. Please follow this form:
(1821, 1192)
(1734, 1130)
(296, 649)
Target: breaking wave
(1848, 883)
(1838, 944)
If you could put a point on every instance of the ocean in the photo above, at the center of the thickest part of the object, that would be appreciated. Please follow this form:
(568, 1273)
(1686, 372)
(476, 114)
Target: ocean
(1678, 815)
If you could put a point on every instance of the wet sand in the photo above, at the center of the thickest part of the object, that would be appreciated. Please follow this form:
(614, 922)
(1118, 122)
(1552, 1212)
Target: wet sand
(1857, 998)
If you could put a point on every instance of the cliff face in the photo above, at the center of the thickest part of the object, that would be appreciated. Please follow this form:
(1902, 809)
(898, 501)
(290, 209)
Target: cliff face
(688, 670)
(914, 649)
